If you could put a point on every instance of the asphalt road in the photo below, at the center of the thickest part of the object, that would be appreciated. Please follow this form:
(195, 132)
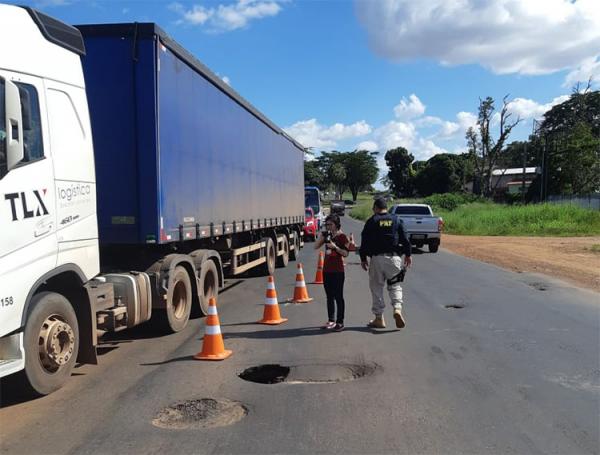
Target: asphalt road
(514, 369)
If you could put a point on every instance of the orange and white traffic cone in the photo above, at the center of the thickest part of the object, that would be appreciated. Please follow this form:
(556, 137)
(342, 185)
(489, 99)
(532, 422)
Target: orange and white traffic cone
(300, 291)
(271, 313)
(212, 344)
(352, 244)
(319, 274)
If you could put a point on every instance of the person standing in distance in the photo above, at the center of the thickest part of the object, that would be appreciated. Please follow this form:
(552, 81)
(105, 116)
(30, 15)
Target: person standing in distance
(336, 249)
(384, 241)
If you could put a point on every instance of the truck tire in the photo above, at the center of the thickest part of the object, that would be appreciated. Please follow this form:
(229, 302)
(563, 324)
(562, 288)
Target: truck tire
(179, 300)
(433, 246)
(284, 259)
(51, 342)
(208, 284)
(268, 267)
(295, 253)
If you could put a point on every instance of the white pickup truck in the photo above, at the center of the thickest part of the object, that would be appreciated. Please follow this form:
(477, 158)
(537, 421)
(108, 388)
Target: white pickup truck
(420, 224)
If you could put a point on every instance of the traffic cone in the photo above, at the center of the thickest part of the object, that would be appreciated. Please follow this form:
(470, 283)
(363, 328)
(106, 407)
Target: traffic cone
(212, 344)
(300, 291)
(352, 244)
(319, 274)
(271, 313)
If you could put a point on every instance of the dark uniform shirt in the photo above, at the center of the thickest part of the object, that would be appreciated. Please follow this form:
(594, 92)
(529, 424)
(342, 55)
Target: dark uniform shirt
(378, 237)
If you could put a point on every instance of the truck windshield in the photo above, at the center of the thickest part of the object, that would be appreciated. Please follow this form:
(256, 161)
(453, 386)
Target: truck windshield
(311, 199)
(2, 130)
(412, 210)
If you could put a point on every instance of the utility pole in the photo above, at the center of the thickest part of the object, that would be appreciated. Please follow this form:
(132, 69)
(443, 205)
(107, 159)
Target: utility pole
(524, 172)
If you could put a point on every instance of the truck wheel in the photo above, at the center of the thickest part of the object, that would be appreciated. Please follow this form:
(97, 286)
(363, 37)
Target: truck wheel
(208, 285)
(433, 247)
(179, 300)
(295, 253)
(51, 341)
(284, 259)
(268, 267)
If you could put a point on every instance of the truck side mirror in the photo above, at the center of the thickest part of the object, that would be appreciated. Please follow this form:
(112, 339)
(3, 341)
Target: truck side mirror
(14, 126)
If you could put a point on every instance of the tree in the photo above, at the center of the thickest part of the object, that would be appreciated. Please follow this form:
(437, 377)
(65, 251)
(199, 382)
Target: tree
(569, 135)
(581, 107)
(575, 167)
(361, 170)
(513, 154)
(400, 174)
(313, 176)
(485, 151)
(333, 170)
(440, 175)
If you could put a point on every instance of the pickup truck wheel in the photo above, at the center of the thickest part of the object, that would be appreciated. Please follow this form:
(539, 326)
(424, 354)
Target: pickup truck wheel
(284, 259)
(179, 300)
(433, 247)
(51, 342)
(268, 267)
(295, 253)
(208, 284)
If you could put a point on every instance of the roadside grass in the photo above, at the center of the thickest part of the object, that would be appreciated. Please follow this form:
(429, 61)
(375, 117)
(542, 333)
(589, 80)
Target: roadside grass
(538, 220)
(490, 219)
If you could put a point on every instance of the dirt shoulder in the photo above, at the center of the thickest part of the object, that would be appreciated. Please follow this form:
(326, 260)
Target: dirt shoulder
(567, 258)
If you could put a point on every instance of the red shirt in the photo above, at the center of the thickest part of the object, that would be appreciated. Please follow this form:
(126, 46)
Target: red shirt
(334, 261)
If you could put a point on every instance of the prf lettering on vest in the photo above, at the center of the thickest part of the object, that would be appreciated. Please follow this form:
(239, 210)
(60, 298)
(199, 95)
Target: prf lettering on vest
(385, 223)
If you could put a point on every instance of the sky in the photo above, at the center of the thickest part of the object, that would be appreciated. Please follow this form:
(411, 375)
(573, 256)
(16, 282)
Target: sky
(378, 74)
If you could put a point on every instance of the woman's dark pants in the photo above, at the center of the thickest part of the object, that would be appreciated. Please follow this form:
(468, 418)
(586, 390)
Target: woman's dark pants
(334, 289)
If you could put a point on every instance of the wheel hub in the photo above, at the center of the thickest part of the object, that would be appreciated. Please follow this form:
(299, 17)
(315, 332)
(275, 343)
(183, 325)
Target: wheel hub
(56, 343)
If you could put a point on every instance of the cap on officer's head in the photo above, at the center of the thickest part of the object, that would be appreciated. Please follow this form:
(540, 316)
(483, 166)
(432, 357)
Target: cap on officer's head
(380, 203)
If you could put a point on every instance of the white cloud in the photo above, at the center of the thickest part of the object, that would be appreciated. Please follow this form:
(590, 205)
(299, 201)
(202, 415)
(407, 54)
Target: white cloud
(226, 80)
(530, 109)
(466, 120)
(589, 68)
(409, 109)
(506, 36)
(369, 146)
(228, 17)
(395, 134)
(312, 134)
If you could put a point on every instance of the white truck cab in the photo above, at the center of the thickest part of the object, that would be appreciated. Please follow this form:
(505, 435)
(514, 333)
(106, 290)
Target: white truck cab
(48, 225)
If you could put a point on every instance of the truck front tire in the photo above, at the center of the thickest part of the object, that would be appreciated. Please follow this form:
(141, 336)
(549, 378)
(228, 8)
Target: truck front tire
(179, 300)
(51, 342)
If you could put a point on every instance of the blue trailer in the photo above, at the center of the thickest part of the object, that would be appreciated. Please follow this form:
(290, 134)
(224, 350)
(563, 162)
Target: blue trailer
(184, 164)
(135, 182)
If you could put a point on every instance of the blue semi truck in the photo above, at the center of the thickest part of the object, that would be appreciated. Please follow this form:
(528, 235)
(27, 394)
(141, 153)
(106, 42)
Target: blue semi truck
(133, 181)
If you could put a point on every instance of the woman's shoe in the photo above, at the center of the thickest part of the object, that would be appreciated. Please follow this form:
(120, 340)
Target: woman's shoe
(330, 325)
(338, 327)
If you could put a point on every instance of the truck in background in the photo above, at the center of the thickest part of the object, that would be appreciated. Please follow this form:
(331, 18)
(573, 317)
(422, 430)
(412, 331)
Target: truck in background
(313, 199)
(132, 182)
(420, 224)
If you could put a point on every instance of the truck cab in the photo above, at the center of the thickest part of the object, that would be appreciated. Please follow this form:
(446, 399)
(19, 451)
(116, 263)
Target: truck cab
(47, 190)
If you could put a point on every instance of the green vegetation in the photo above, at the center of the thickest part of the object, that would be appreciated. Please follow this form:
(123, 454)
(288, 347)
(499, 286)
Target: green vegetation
(542, 220)
(466, 214)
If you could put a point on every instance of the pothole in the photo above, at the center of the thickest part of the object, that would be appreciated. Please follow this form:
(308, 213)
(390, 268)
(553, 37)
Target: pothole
(455, 306)
(538, 286)
(265, 374)
(202, 413)
(308, 374)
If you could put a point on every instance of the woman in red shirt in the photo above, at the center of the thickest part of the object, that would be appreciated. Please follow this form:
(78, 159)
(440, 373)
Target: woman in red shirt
(336, 249)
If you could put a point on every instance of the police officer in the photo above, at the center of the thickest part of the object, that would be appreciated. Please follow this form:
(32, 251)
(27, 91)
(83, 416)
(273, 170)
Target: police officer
(384, 241)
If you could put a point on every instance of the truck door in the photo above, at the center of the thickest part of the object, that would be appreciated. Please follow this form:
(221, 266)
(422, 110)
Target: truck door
(28, 245)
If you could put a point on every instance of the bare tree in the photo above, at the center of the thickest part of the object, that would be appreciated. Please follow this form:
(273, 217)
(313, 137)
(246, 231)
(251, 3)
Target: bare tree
(483, 148)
